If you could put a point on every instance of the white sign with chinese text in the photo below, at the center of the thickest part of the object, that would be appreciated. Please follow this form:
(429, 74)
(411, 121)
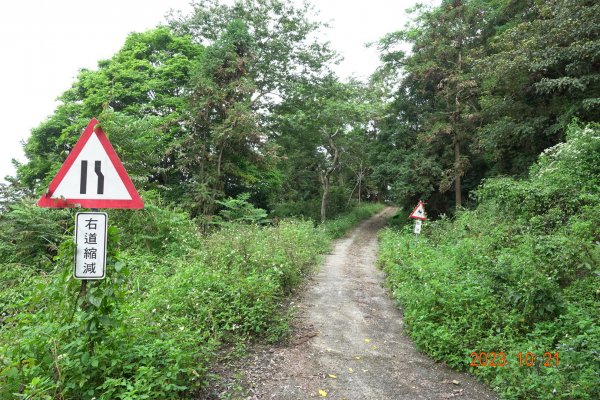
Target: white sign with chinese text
(418, 223)
(90, 238)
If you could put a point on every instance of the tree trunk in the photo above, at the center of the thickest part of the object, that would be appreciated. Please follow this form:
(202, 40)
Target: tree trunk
(325, 183)
(360, 177)
(220, 161)
(457, 169)
(327, 173)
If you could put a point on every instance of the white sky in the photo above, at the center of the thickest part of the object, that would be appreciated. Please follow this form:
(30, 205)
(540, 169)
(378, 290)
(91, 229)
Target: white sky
(46, 42)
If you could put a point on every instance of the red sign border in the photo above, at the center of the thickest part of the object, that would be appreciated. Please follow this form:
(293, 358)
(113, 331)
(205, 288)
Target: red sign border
(135, 203)
(412, 214)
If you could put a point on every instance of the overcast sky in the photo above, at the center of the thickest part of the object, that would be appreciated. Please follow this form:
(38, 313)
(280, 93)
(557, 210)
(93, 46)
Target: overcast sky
(46, 42)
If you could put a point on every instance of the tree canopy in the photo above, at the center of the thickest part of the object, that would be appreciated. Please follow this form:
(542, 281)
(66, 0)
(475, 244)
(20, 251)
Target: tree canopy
(487, 85)
(241, 98)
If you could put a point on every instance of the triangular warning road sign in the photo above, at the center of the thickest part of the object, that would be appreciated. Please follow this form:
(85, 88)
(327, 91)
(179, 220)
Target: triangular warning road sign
(419, 212)
(92, 176)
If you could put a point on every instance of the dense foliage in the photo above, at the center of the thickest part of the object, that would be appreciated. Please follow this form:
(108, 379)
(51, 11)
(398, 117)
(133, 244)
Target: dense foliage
(172, 298)
(488, 85)
(138, 95)
(228, 100)
(195, 112)
(518, 274)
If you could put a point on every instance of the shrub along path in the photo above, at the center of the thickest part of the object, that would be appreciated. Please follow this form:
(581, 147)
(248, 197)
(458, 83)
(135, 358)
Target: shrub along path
(349, 342)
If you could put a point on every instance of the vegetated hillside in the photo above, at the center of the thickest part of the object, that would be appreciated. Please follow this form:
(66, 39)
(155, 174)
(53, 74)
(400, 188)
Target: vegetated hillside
(171, 300)
(520, 273)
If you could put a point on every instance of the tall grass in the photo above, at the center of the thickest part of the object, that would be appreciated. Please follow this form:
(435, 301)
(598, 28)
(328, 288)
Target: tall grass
(172, 299)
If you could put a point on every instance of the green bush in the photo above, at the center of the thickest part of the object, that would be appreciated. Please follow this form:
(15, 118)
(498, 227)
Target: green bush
(297, 209)
(336, 228)
(241, 211)
(337, 206)
(518, 274)
(171, 300)
(158, 228)
(31, 235)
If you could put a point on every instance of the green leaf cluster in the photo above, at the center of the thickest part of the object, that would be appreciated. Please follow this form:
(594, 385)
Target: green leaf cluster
(520, 273)
(139, 97)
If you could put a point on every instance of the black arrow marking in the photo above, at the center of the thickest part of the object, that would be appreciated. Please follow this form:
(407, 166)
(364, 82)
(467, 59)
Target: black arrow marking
(83, 181)
(97, 170)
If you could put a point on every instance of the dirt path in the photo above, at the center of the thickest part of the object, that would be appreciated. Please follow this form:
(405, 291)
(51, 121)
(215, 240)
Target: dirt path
(349, 341)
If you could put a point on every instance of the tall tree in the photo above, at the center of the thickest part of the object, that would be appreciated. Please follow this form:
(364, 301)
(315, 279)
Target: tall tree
(541, 70)
(286, 55)
(443, 50)
(140, 94)
(435, 106)
(314, 124)
(287, 50)
(223, 137)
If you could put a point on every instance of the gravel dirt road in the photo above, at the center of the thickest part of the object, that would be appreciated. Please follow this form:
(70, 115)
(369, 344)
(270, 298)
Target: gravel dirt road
(349, 340)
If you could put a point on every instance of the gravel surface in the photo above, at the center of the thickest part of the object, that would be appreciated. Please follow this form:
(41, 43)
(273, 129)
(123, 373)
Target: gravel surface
(349, 340)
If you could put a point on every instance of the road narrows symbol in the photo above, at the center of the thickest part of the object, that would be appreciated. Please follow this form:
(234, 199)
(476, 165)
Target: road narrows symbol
(92, 176)
(97, 170)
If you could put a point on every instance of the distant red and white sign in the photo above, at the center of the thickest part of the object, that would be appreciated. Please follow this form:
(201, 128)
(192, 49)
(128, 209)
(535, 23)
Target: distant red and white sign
(419, 212)
(92, 176)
